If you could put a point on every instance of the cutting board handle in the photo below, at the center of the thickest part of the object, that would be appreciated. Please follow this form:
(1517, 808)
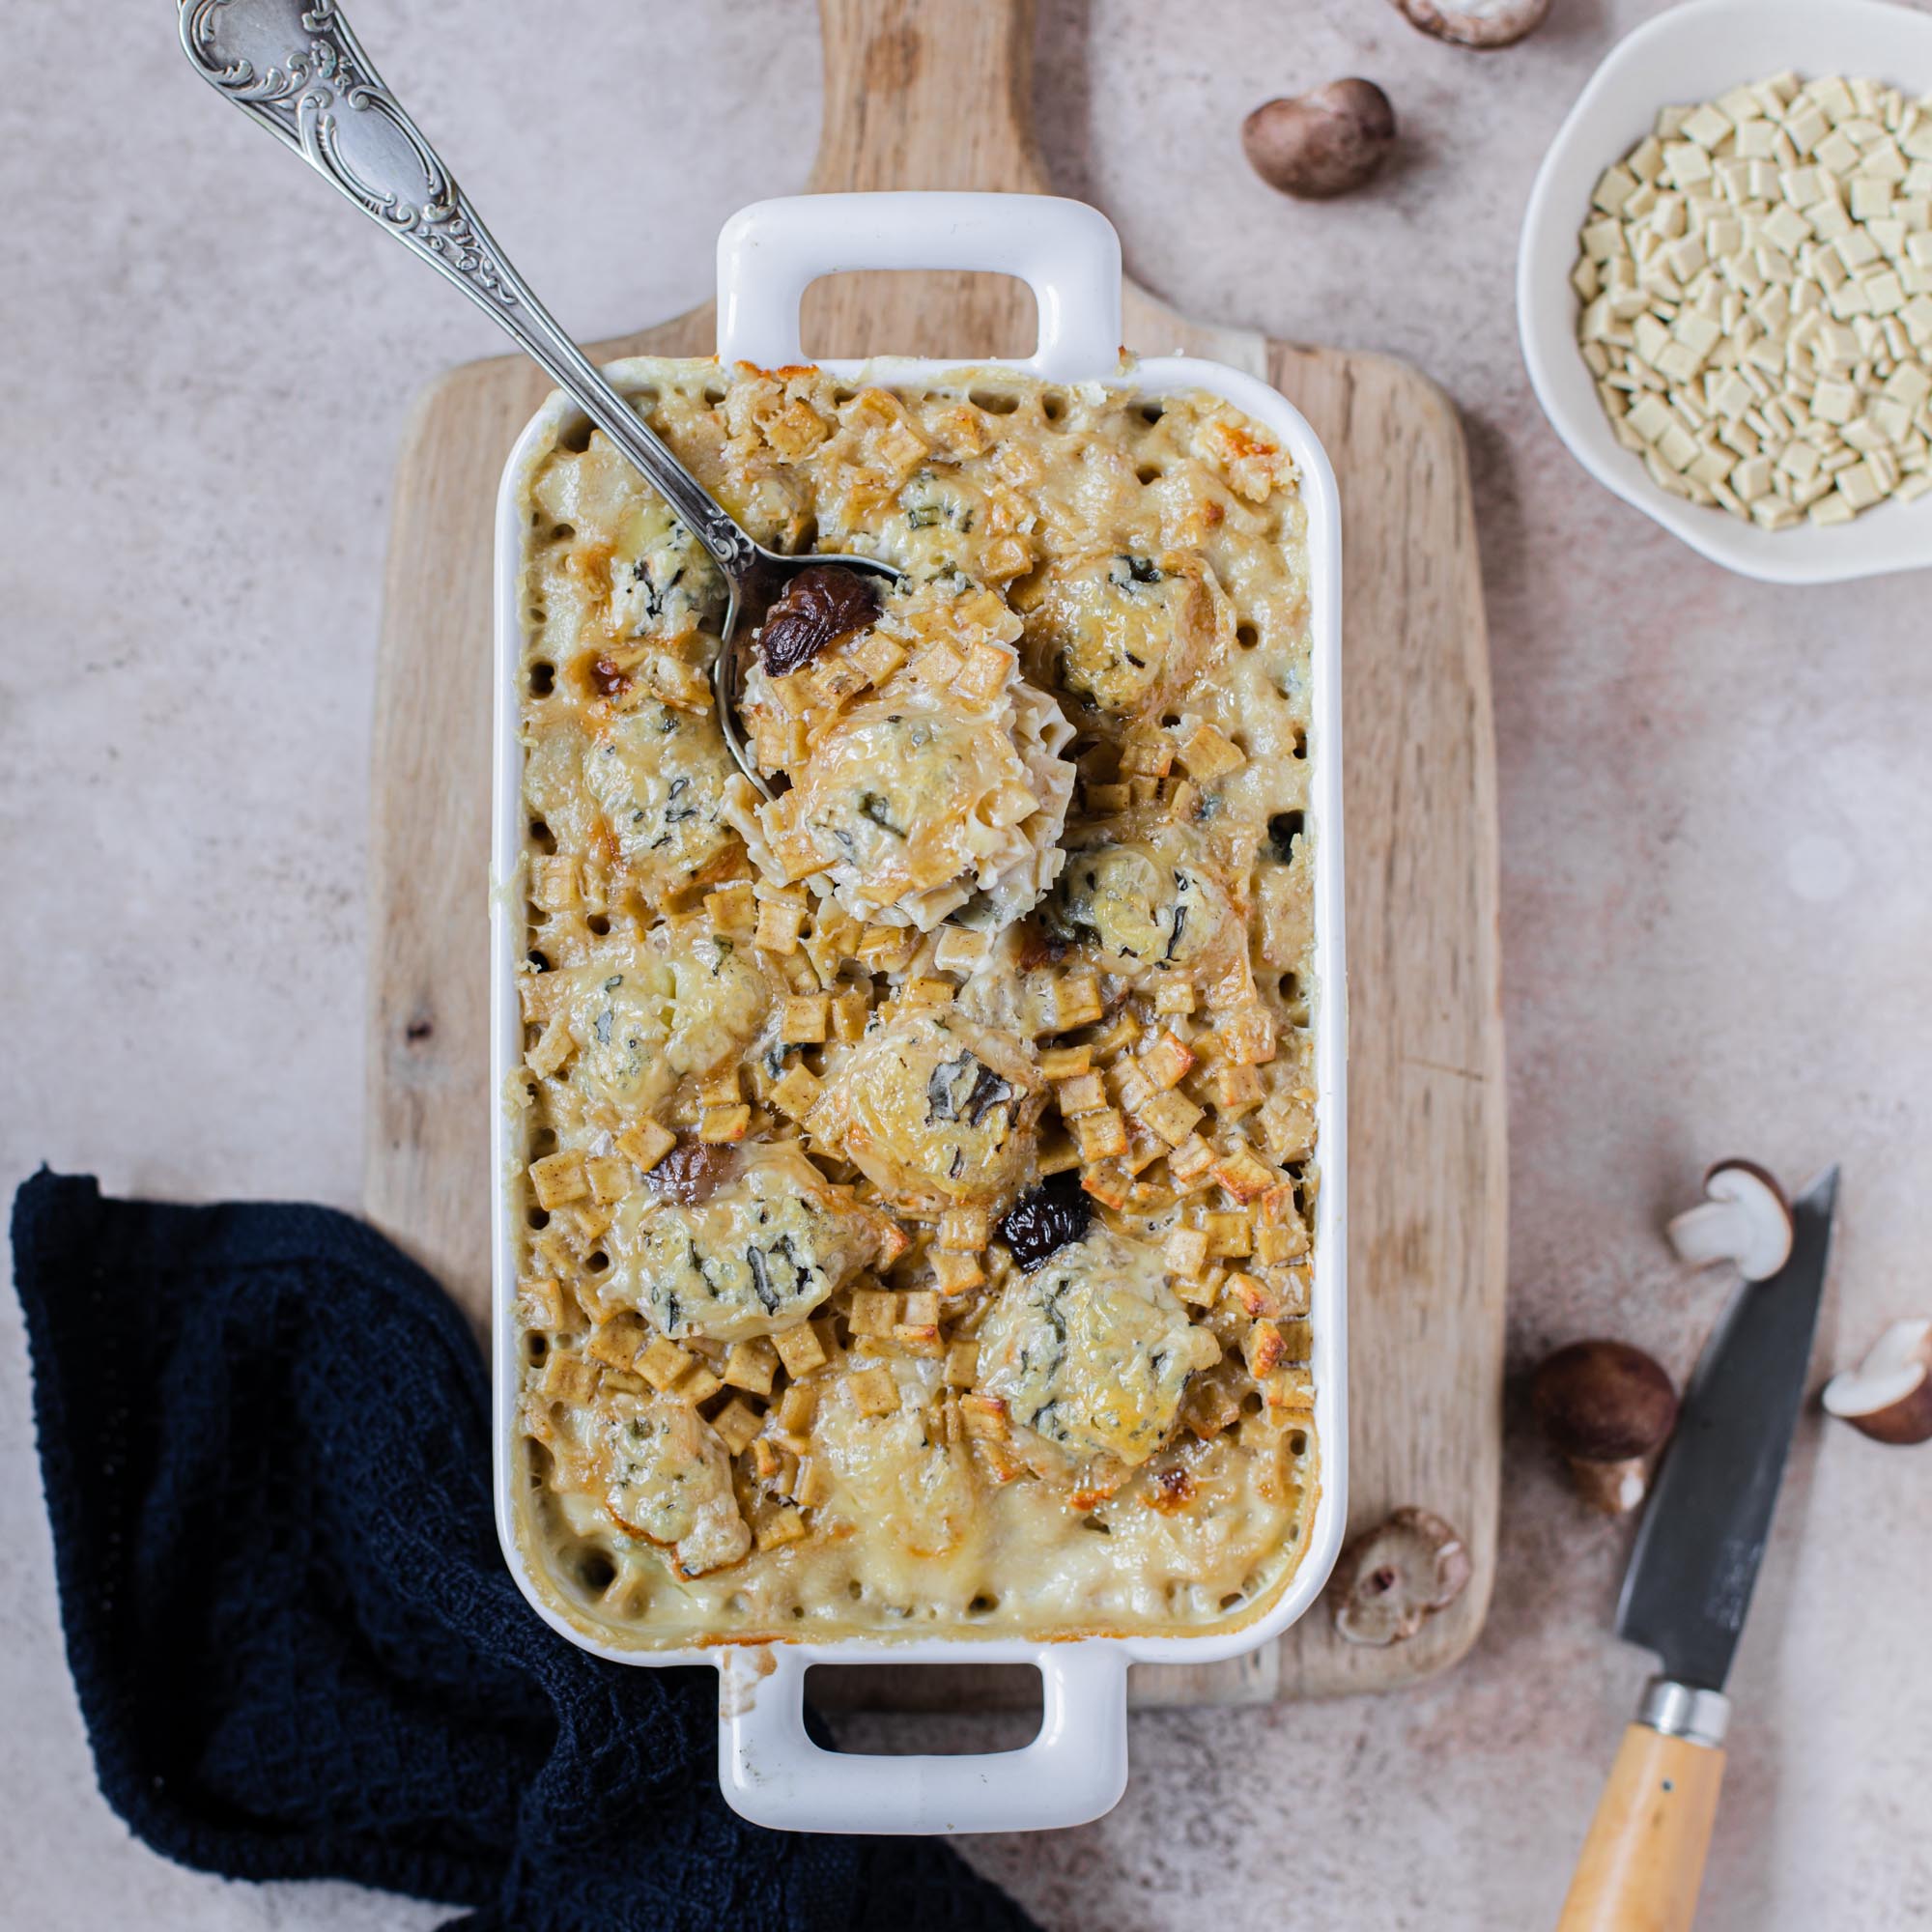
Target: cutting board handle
(927, 93)
(1643, 1860)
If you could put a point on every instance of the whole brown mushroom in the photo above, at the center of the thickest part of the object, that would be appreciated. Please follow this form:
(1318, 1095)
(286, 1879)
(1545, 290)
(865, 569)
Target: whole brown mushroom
(1607, 1408)
(1389, 1582)
(1322, 144)
(1482, 24)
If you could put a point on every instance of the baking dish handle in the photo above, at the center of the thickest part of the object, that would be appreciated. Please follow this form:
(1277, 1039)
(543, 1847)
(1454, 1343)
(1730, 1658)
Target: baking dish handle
(774, 1774)
(1068, 253)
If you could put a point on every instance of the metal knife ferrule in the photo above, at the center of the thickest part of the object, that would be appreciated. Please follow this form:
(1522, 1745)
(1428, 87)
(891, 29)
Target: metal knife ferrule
(1682, 1711)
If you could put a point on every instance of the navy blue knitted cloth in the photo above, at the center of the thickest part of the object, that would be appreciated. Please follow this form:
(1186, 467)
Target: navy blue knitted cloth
(265, 1441)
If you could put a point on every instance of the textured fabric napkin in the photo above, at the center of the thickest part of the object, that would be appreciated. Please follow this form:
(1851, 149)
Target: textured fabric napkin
(265, 1441)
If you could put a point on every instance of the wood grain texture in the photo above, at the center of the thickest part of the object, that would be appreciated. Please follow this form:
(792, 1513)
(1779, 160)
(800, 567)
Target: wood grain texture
(1643, 1860)
(924, 93)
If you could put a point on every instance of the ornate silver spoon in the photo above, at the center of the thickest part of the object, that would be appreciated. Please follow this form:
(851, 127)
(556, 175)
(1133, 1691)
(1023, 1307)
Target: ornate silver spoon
(295, 67)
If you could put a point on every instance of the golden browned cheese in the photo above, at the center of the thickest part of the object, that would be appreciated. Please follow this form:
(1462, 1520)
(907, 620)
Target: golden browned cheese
(1028, 928)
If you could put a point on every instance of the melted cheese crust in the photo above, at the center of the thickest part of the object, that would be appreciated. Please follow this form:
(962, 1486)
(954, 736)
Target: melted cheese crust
(1037, 899)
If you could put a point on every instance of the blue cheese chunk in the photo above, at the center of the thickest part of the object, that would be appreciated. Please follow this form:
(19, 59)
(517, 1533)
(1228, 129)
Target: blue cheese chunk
(662, 582)
(1121, 632)
(661, 778)
(765, 1244)
(938, 1111)
(666, 1477)
(1091, 1350)
(693, 1001)
(1146, 903)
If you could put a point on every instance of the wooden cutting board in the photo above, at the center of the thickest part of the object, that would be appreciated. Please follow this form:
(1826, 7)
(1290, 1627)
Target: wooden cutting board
(932, 93)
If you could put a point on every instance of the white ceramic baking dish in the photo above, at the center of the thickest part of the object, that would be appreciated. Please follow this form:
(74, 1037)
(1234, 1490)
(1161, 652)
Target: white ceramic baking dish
(1077, 1766)
(1696, 52)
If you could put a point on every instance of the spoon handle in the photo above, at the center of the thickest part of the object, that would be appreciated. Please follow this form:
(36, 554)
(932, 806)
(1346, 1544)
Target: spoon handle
(295, 67)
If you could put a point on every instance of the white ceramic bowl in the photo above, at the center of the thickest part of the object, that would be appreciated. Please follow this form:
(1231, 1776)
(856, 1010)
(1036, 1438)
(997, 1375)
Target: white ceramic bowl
(1696, 52)
(1077, 1767)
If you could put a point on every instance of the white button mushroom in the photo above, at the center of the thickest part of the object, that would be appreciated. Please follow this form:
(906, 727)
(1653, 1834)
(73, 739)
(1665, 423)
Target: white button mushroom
(1744, 1218)
(1888, 1394)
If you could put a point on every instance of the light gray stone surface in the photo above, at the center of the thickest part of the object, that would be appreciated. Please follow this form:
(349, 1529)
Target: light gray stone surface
(1715, 804)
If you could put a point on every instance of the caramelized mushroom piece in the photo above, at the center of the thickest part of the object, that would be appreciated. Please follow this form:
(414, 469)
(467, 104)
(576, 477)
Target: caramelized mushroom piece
(819, 607)
(691, 1171)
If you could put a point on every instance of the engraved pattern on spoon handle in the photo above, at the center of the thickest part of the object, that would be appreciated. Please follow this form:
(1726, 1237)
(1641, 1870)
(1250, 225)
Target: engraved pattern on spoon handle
(296, 68)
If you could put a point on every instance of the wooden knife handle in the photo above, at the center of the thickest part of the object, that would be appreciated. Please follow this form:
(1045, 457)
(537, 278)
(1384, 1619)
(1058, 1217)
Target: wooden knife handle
(1643, 1860)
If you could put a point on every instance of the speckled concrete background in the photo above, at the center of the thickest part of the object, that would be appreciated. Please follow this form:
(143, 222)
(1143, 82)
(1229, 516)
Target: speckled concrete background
(1717, 855)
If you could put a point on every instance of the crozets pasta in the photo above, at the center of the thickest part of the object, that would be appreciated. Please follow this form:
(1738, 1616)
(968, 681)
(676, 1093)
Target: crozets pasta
(919, 1167)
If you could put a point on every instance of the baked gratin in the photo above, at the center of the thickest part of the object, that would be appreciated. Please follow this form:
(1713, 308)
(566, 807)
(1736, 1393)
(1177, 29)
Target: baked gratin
(916, 1167)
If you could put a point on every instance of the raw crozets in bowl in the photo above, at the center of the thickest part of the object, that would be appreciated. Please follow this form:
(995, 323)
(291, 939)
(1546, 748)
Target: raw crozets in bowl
(782, 1376)
(1699, 51)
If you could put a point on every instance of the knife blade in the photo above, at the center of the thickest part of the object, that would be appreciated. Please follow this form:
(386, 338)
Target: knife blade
(1697, 1553)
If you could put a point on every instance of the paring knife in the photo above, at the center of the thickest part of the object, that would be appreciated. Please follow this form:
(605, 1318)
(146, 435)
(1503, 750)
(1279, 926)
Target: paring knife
(1687, 1588)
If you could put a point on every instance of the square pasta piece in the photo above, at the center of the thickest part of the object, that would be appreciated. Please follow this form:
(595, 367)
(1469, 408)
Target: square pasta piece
(964, 1230)
(1173, 994)
(875, 1390)
(985, 676)
(779, 924)
(1206, 752)
(784, 1525)
(1076, 1002)
(570, 1378)
(733, 909)
(849, 1014)
(617, 1341)
(956, 1273)
(698, 1386)
(647, 1143)
(663, 1363)
(737, 1425)
(1242, 1174)
(1167, 1061)
(609, 1176)
(751, 1366)
(1082, 1094)
(540, 1303)
(800, 1349)
(796, 1093)
(796, 1409)
(1186, 1251)
(1102, 1134)
(812, 1485)
(874, 1312)
(1171, 1115)
(805, 1019)
(560, 1178)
